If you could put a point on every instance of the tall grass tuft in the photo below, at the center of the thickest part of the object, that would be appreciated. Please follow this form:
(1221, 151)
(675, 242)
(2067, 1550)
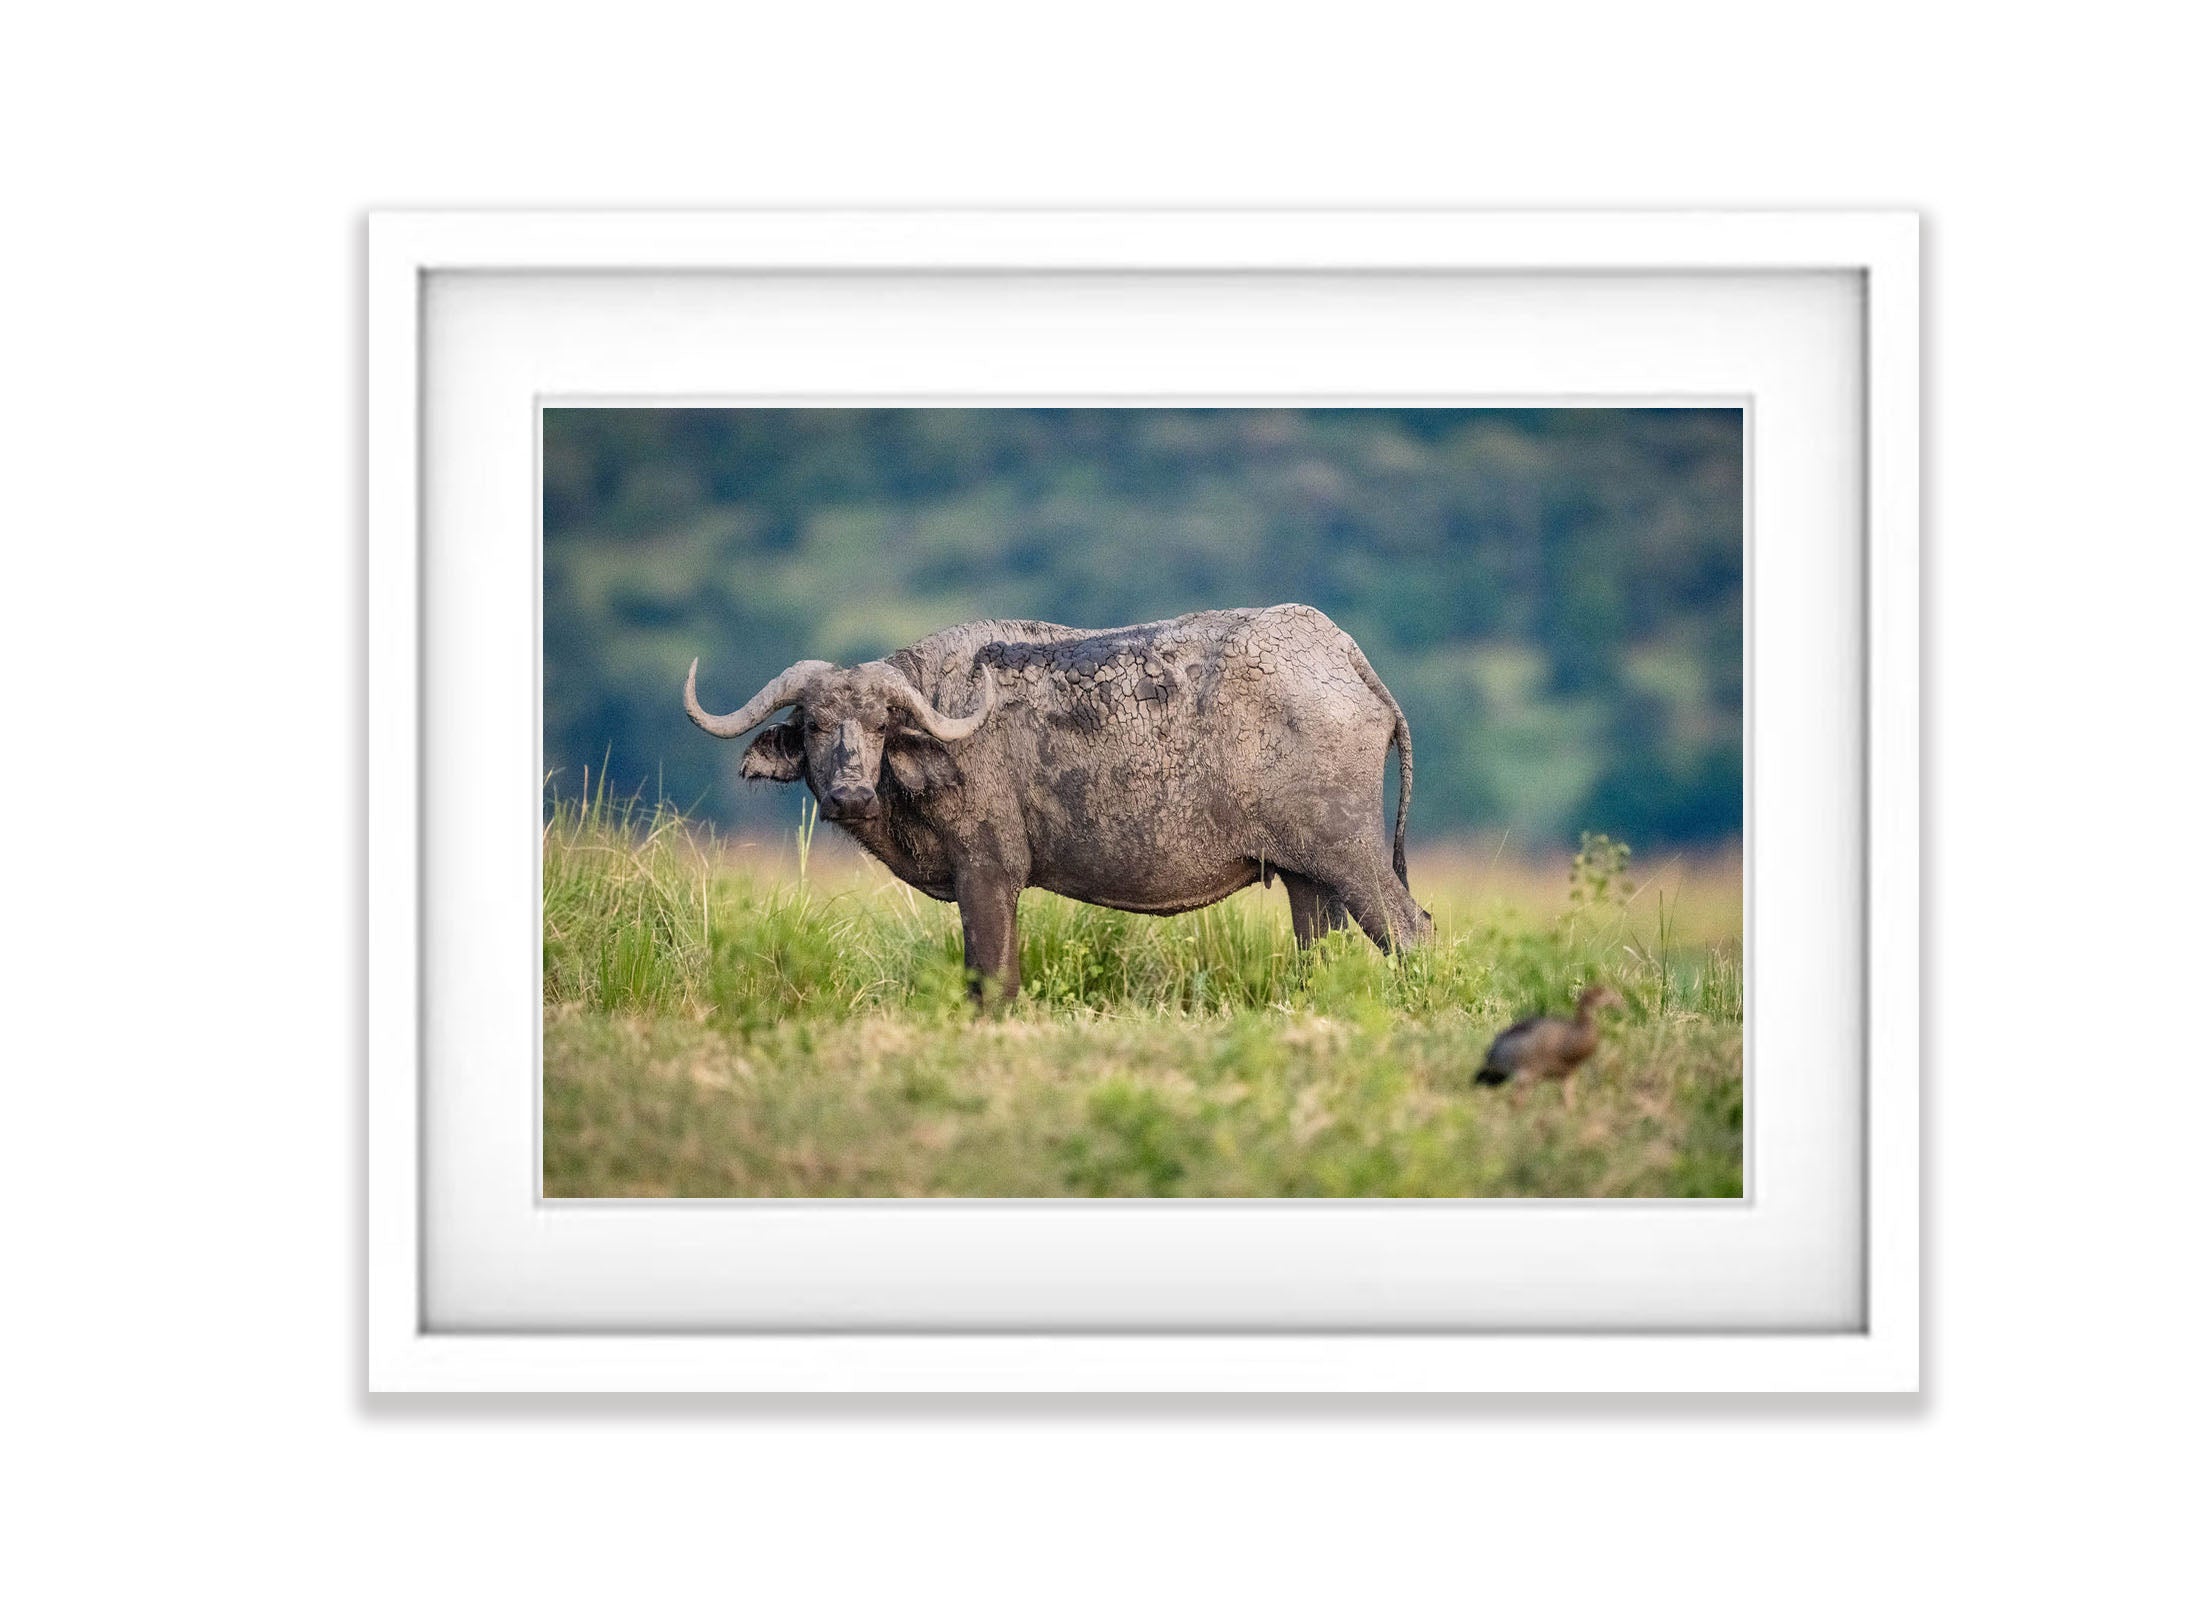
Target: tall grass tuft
(626, 906)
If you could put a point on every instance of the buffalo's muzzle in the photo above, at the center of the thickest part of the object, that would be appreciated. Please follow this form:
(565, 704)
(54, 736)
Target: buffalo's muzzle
(850, 804)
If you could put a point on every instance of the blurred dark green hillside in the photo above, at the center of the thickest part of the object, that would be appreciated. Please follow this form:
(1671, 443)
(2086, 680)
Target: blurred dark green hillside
(1555, 596)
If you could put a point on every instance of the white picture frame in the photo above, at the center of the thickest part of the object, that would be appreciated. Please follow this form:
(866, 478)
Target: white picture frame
(407, 1352)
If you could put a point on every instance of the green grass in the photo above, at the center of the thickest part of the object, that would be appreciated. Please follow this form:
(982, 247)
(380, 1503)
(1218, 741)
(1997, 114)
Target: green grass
(716, 1024)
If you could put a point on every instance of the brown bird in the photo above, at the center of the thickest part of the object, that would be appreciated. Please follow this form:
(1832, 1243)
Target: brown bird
(1541, 1049)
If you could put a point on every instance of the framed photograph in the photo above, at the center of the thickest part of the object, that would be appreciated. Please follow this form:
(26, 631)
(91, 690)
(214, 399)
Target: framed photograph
(1143, 801)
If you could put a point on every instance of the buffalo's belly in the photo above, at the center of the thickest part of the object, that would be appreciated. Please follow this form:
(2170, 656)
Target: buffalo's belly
(1160, 888)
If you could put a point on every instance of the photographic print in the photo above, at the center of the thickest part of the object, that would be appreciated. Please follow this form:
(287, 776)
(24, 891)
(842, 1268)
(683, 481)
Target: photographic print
(1128, 802)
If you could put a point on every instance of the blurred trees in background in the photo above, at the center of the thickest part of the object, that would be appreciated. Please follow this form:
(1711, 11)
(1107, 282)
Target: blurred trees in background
(1555, 596)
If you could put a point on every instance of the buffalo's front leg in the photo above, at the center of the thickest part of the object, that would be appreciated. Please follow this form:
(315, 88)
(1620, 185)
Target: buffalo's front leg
(988, 905)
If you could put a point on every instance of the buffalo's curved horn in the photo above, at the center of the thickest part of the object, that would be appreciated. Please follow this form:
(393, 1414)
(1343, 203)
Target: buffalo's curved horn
(783, 690)
(944, 728)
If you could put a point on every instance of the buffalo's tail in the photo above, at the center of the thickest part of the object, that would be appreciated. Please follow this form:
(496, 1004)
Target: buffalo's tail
(1402, 737)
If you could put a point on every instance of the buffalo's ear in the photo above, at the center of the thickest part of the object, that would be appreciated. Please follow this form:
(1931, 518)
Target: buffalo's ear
(776, 753)
(921, 764)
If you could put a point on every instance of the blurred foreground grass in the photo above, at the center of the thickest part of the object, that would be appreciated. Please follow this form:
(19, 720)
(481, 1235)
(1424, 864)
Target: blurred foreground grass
(728, 1020)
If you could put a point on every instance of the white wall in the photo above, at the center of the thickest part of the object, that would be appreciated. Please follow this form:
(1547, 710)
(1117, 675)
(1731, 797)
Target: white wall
(182, 667)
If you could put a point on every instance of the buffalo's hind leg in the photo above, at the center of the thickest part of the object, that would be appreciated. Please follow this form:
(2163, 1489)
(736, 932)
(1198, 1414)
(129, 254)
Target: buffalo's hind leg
(987, 902)
(1380, 904)
(1315, 911)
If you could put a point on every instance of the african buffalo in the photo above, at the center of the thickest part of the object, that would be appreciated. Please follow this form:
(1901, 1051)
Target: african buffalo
(1154, 768)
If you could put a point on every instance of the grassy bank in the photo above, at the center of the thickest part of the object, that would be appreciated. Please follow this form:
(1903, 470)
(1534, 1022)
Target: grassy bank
(721, 1020)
